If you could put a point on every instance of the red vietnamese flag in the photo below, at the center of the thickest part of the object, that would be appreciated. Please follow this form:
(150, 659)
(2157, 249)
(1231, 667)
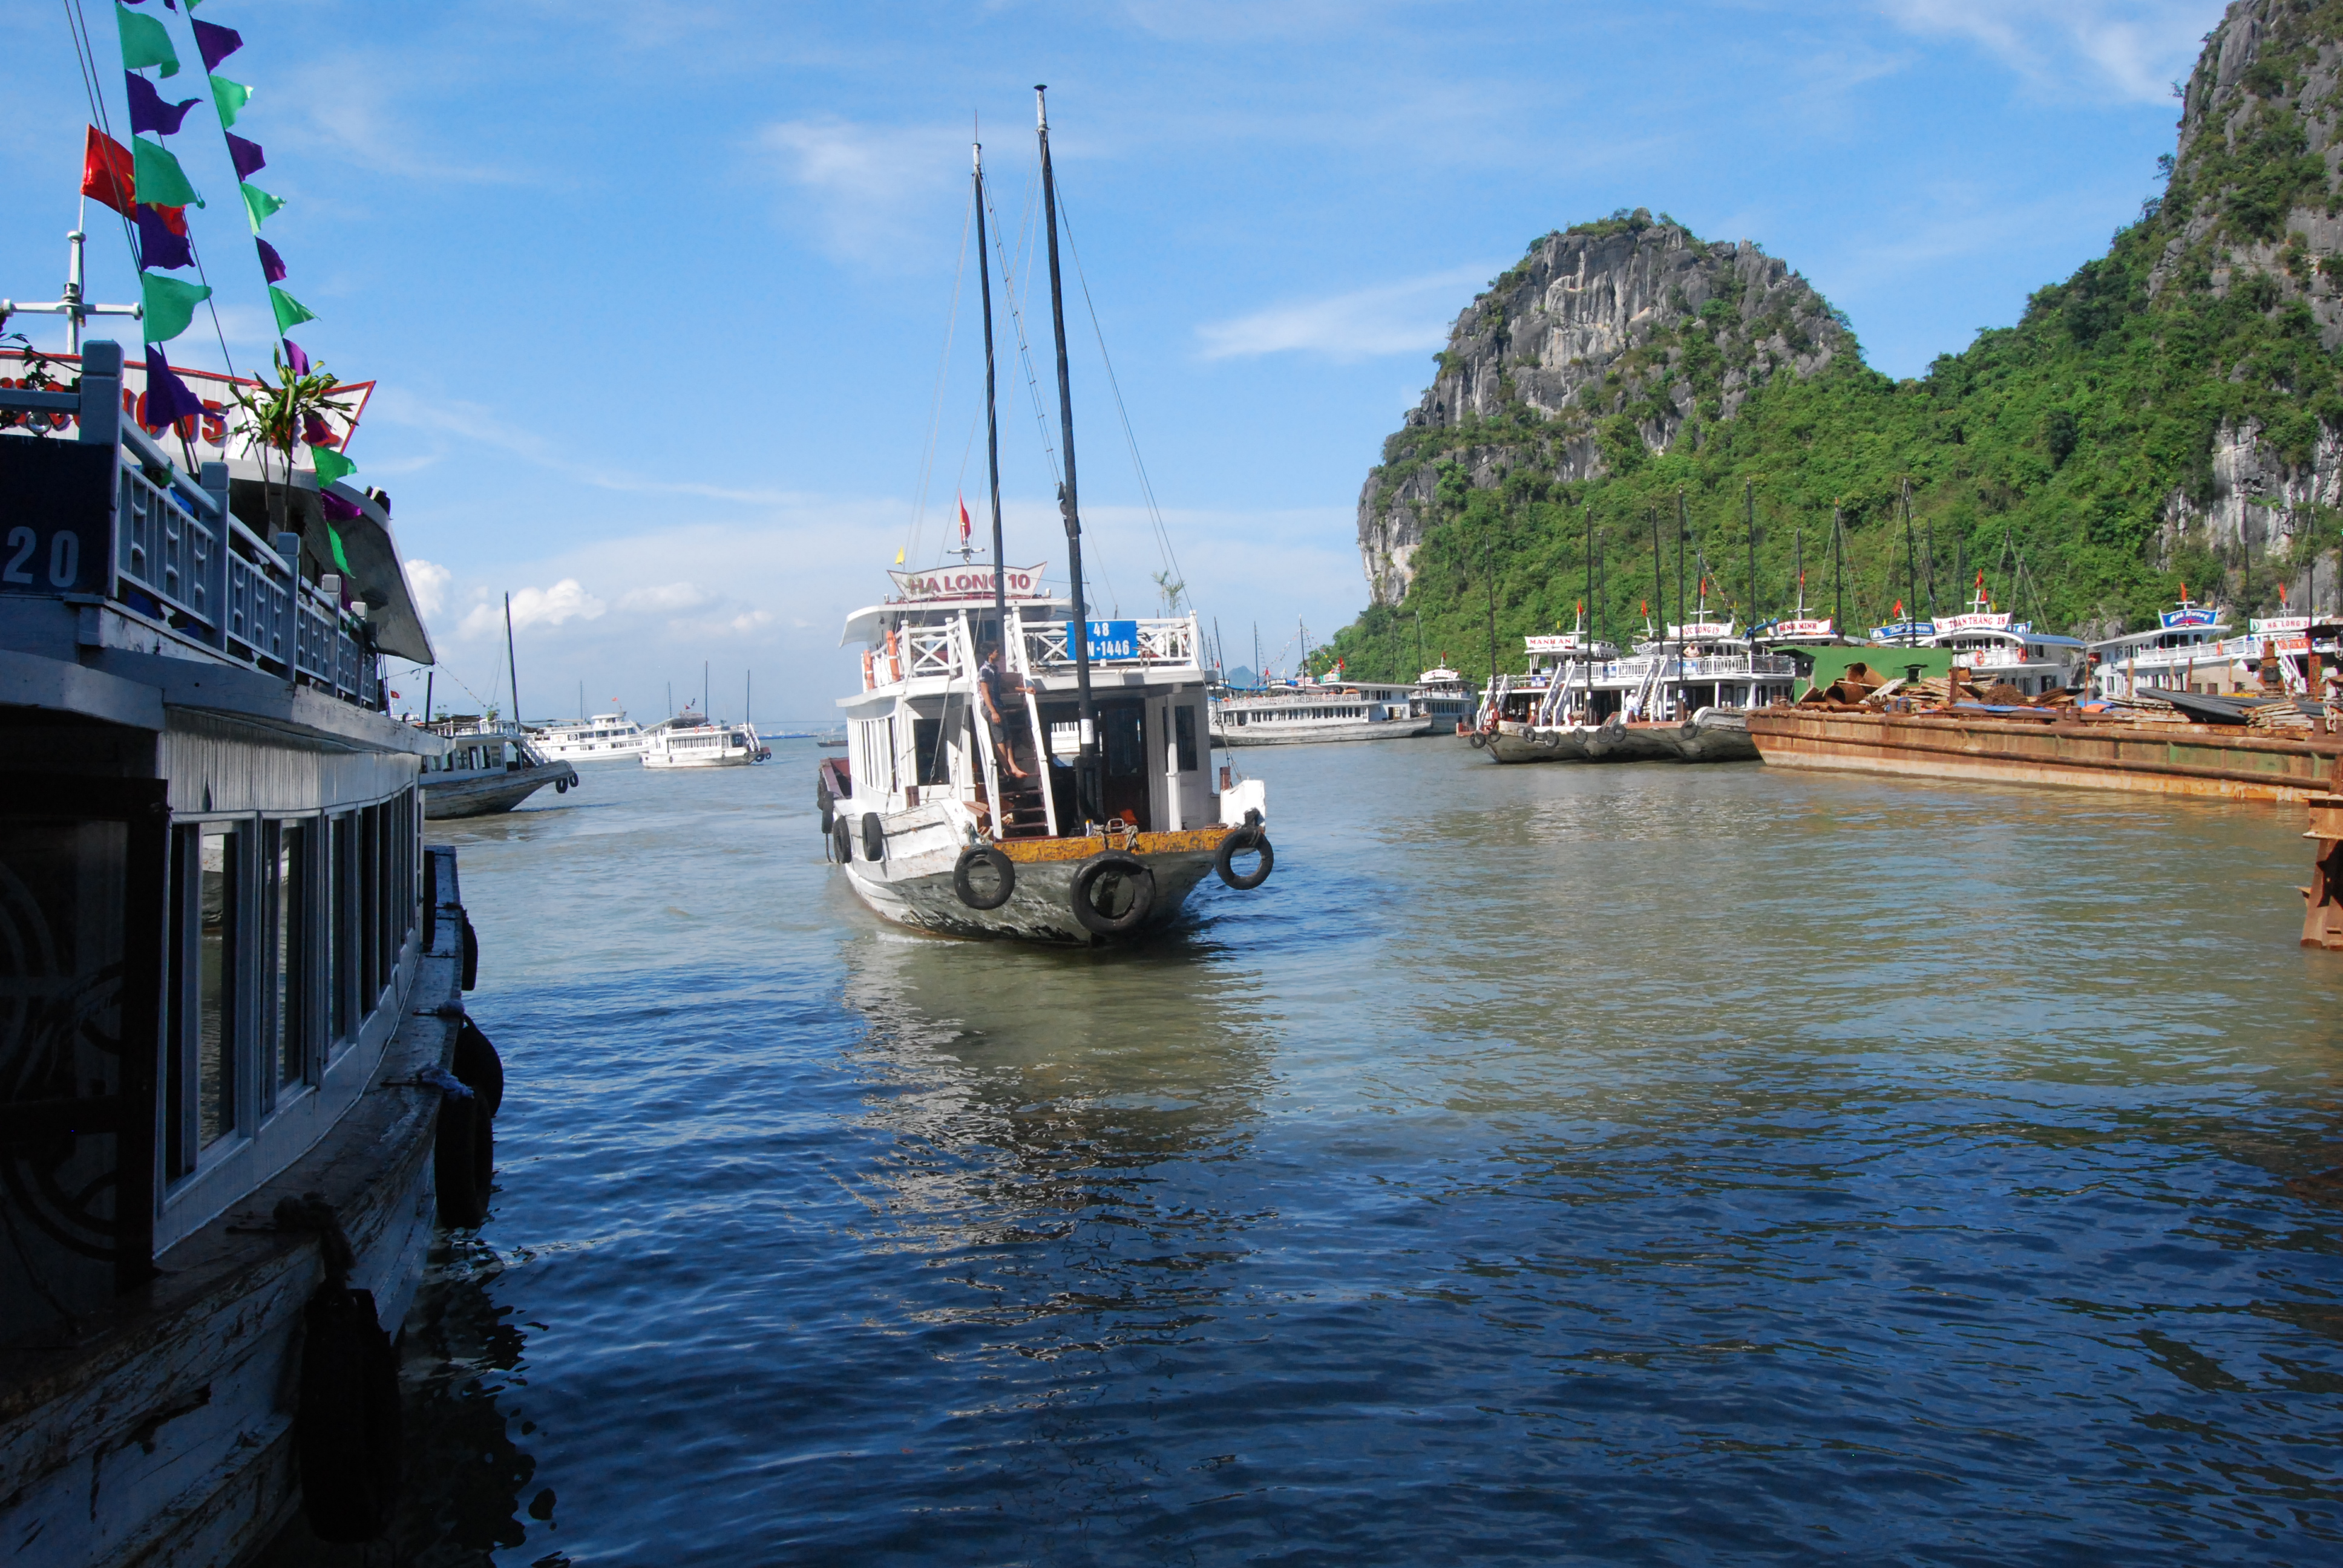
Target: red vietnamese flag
(1899, 609)
(105, 174)
(964, 521)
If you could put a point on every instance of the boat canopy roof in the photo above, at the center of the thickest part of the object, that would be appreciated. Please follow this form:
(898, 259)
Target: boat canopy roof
(869, 623)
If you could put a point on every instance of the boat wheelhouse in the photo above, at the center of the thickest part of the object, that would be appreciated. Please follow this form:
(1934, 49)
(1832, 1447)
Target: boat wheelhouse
(1444, 697)
(228, 959)
(604, 737)
(1999, 650)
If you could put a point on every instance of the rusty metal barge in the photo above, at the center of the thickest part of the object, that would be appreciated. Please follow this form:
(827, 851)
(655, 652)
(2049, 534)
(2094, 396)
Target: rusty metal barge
(2062, 746)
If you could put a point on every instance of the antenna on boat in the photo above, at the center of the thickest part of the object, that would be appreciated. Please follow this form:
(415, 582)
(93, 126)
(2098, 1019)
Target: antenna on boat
(70, 304)
(1069, 496)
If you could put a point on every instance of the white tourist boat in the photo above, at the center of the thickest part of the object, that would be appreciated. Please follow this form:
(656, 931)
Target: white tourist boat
(1294, 712)
(604, 737)
(690, 740)
(231, 1001)
(2191, 651)
(1998, 650)
(1679, 698)
(1448, 700)
(1088, 811)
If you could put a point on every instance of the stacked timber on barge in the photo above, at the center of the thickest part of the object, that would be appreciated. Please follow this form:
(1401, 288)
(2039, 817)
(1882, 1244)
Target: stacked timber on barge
(229, 997)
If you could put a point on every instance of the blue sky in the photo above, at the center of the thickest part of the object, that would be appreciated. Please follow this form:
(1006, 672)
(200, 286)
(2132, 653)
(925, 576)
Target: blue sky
(657, 294)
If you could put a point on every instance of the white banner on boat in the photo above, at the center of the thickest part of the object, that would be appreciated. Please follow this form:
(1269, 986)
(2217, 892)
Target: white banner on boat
(1974, 620)
(219, 433)
(1803, 628)
(1699, 630)
(970, 582)
(1565, 643)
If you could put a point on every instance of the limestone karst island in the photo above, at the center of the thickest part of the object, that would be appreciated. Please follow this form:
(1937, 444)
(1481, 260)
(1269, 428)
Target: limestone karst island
(1013, 992)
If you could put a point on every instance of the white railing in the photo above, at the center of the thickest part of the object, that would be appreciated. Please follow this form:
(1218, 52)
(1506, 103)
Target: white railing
(1161, 640)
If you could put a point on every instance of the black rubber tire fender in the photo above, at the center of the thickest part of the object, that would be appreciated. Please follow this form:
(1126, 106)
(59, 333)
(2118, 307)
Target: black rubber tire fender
(874, 837)
(471, 954)
(561, 786)
(1131, 869)
(977, 855)
(1477, 740)
(458, 1151)
(1249, 837)
(841, 841)
(348, 1435)
(478, 1067)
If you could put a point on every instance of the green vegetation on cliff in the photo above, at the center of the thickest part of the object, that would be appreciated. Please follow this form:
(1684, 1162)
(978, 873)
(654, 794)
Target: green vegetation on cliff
(2082, 440)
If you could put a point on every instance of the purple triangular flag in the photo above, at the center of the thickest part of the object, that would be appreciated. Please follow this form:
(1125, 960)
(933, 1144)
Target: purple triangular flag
(246, 155)
(149, 113)
(295, 360)
(272, 266)
(216, 43)
(158, 245)
(340, 510)
(168, 398)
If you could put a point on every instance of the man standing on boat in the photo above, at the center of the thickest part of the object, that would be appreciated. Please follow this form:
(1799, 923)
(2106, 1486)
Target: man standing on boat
(994, 682)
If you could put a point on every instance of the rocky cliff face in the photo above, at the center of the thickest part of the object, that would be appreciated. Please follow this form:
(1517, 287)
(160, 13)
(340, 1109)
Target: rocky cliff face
(1626, 332)
(2254, 210)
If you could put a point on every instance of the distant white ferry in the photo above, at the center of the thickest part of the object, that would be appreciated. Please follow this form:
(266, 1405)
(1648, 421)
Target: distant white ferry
(604, 737)
(1303, 711)
(689, 740)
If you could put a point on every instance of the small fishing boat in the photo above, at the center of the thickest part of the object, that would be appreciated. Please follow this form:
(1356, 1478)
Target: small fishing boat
(488, 766)
(604, 737)
(1014, 767)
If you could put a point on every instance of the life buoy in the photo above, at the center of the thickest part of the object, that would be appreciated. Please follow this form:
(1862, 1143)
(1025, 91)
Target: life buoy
(471, 954)
(463, 1161)
(894, 654)
(874, 837)
(347, 1428)
(869, 671)
(1129, 871)
(1003, 869)
(1248, 837)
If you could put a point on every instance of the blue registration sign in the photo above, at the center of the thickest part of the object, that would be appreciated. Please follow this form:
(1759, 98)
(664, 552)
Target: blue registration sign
(1113, 638)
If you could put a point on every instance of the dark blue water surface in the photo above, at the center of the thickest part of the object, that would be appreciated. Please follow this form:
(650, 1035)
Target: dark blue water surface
(1634, 1164)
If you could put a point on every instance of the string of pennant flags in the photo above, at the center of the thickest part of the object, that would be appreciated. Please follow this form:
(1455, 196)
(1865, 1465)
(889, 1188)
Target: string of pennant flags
(145, 184)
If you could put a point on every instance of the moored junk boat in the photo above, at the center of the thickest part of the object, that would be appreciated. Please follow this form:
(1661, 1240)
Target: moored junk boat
(604, 737)
(229, 999)
(1683, 698)
(692, 740)
(1015, 768)
(1294, 712)
(489, 767)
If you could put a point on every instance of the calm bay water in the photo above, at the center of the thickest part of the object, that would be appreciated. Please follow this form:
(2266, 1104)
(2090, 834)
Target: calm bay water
(1639, 1164)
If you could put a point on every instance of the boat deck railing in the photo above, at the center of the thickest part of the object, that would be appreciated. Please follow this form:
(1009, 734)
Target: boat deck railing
(172, 551)
(1158, 639)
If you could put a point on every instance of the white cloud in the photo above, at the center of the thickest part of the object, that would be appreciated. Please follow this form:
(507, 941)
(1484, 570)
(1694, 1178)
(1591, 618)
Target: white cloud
(2135, 48)
(667, 597)
(1393, 318)
(564, 600)
(426, 583)
(866, 184)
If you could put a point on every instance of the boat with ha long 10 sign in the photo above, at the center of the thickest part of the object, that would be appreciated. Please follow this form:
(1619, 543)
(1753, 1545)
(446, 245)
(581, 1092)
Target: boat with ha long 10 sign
(1016, 768)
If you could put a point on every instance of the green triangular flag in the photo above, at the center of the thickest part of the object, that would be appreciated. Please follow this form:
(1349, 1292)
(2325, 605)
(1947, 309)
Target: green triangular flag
(259, 205)
(290, 312)
(330, 465)
(144, 42)
(170, 304)
(155, 175)
(229, 98)
(333, 535)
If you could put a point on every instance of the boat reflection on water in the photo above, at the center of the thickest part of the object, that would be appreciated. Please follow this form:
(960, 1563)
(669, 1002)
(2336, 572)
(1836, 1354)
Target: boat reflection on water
(467, 1491)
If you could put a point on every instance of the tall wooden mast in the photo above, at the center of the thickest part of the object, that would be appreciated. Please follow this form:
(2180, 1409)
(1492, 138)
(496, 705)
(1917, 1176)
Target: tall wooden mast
(1086, 766)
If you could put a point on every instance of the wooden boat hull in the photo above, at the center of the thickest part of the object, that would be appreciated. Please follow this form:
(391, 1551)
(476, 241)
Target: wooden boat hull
(2220, 760)
(912, 885)
(491, 793)
(1711, 736)
(164, 1435)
